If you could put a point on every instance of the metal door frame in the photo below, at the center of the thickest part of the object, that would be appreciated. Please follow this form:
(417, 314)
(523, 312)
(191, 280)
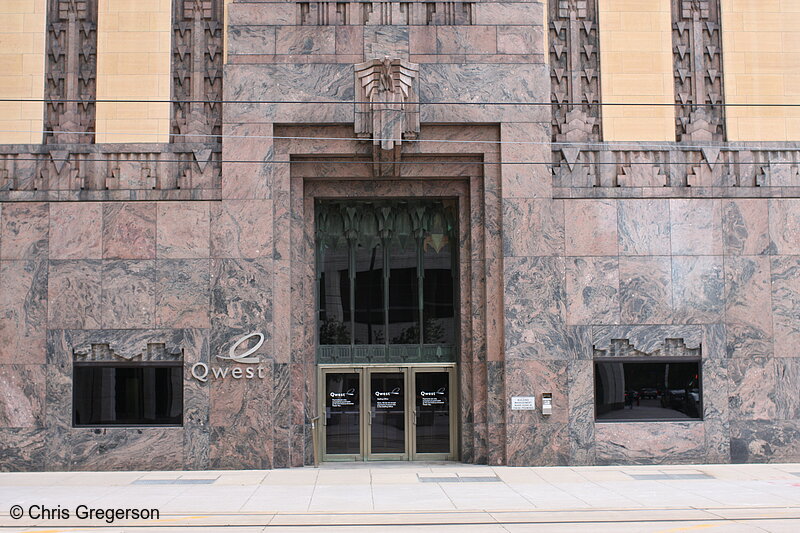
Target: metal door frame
(409, 372)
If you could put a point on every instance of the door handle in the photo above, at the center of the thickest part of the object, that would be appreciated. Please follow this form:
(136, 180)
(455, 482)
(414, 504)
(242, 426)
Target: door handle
(369, 418)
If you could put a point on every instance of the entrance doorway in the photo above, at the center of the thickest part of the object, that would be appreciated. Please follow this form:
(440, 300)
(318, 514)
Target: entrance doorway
(388, 413)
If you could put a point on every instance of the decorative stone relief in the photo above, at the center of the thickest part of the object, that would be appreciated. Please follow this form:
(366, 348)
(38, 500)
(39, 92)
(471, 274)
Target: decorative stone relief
(153, 351)
(71, 78)
(670, 348)
(386, 108)
(575, 70)
(197, 70)
(370, 13)
(697, 41)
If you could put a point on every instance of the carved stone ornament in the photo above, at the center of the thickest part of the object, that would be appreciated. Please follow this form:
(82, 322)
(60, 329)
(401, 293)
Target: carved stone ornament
(386, 108)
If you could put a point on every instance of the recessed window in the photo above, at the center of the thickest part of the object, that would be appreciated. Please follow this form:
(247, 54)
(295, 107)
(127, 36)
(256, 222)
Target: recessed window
(652, 390)
(127, 394)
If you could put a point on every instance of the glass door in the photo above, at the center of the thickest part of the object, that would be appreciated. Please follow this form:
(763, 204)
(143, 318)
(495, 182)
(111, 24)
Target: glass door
(433, 415)
(342, 415)
(387, 424)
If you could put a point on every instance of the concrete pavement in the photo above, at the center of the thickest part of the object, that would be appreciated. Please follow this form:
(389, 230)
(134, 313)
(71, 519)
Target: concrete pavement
(413, 497)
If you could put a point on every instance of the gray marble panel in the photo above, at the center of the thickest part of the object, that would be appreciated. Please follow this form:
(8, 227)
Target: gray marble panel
(22, 449)
(765, 441)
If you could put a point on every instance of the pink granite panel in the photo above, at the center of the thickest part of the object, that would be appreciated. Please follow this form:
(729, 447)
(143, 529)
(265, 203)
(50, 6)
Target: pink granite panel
(696, 226)
(129, 230)
(241, 228)
(532, 378)
(784, 226)
(251, 40)
(697, 289)
(745, 226)
(239, 448)
(422, 39)
(590, 227)
(23, 396)
(128, 299)
(182, 293)
(76, 230)
(645, 290)
(785, 285)
(305, 40)
(644, 227)
(74, 294)
(247, 142)
(520, 40)
(650, 443)
(118, 449)
(183, 230)
(466, 39)
(592, 290)
(24, 230)
(533, 227)
(537, 445)
(765, 441)
(748, 306)
(349, 40)
(749, 382)
(23, 312)
(525, 142)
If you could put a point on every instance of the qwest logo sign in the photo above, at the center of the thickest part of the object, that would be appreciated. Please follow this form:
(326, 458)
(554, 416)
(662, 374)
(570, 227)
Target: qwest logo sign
(203, 372)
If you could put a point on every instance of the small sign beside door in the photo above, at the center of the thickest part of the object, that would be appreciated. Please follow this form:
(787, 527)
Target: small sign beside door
(523, 403)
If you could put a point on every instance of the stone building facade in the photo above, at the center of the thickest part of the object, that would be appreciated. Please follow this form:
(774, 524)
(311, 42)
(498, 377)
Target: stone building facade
(598, 202)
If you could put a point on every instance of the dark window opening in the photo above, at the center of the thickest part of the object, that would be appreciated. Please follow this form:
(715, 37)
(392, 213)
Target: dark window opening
(127, 395)
(652, 390)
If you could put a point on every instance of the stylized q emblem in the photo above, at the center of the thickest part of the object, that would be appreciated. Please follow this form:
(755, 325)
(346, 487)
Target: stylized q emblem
(243, 358)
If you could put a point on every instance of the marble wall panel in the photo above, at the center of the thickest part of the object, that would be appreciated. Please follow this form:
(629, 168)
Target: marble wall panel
(532, 227)
(535, 308)
(525, 143)
(520, 40)
(239, 448)
(129, 230)
(74, 293)
(644, 227)
(350, 40)
(649, 339)
(383, 41)
(24, 230)
(302, 40)
(650, 443)
(22, 449)
(716, 410)
(244, 40)
(592, 290)
(242, 402)
(114, 448)
(748, 306)
(785, 281)
(251, 142)
(532, 378)
(183, 230)
(128, 294)
(745, 227)
(581, 412)
(23, 309)
(76, 230)
(182, 293)
(22, 401)
(787, 397)
(765, 441)
(753, 388)
(242, 228)
(696, 226)
(441, 82)
(537, 445)
(591, 227)
(697, 289)
(241, 292)
(466, 39)
(784, 226)
(645, 290)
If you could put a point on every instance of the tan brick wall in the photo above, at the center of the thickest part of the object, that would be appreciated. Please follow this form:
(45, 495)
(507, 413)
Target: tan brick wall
(761, 51)
(133, 63)
(22, 59)
(636, 66)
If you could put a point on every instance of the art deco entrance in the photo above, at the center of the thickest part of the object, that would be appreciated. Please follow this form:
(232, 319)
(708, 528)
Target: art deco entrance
(386, 352)
(388, 413)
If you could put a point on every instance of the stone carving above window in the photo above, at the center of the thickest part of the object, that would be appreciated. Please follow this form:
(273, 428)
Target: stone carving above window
(153, 351)
(197, 70)
(575, 70)
(670, 348)
(71, 79)
(387, 109)
(371, 13)
(697, 51)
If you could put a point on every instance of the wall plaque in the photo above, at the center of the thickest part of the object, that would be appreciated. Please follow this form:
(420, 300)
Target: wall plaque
(523, 403)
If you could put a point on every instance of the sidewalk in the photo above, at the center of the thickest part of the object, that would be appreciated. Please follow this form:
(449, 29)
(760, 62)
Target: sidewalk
(429, 497)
